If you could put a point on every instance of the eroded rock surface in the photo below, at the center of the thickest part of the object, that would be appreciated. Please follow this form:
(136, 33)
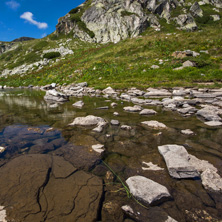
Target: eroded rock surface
(35, 193)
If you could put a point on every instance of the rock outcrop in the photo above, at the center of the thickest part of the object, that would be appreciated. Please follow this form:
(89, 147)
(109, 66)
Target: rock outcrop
(103, 21)
(35, 193)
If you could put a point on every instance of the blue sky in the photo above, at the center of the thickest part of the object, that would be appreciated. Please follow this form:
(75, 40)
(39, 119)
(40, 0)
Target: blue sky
(31, 18)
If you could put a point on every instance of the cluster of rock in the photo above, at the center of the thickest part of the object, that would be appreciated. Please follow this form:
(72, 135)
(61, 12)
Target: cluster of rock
(62, 50)
(184, 101)
(25, 68)
(111, 21)
(4, 47)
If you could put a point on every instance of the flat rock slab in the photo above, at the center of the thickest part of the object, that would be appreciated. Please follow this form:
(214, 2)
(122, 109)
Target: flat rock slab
(132, 109)
(147, 190)
(87, 121)
(46, 188)
(83, 158)
(154, 124)
(213, 123)
(177, 161)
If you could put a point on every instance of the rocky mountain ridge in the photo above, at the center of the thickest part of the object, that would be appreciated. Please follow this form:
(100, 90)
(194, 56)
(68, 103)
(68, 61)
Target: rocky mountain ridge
(103, 21)
(5, 46)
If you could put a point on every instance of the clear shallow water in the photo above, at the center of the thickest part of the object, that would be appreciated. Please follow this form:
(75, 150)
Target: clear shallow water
(29, 125)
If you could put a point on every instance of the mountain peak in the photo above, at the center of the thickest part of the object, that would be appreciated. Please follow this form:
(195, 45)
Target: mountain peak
(103, 21)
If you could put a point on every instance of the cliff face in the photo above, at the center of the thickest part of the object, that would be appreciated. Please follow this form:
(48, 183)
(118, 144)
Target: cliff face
(105, 21)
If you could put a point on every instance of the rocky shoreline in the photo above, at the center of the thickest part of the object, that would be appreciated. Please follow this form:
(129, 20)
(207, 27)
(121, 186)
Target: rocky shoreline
(205, 104)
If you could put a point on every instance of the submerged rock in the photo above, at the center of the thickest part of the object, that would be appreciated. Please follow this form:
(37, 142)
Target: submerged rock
(177, 161)
(49, 188)
(151, 166)
(99, 148)
(146, 190)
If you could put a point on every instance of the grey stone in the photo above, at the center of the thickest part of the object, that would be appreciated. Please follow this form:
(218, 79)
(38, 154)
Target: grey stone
(154, 67)
(188, 64)
(103, 107)
(154, 124)
(211, 180)
(132, 109)
(88, 121)
(53, 95)
(187, 132)
(116, 114)
(209, 113)
(147, 190)
(196, 10)
(151, 166)
(109, 91)
(125, 96)
(177, 161)
(157, 92)
(215, 17)
(113, 105)
(213, 123)
(186, 22)
(63, 51)
(125, 127)
(114, 122)
(78, 104)
(201, 165)
(100, 127)
(148, 112)
(82, 84)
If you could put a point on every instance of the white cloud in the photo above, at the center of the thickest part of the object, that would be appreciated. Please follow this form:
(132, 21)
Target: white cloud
(28, 16)
(12, 4)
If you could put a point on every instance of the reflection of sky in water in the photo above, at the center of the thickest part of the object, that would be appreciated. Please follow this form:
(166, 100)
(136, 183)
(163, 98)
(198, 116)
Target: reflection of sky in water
(23, 139)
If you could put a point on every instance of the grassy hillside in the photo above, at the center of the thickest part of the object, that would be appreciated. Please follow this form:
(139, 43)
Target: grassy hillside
(127, 63)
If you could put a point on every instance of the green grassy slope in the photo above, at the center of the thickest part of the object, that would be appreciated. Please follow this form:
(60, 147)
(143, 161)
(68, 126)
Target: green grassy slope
(126, 63)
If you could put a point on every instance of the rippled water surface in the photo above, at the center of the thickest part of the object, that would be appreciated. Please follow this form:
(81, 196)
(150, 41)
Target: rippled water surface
(30, 125)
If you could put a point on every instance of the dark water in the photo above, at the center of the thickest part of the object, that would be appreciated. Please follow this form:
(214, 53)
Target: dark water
(29, 125)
